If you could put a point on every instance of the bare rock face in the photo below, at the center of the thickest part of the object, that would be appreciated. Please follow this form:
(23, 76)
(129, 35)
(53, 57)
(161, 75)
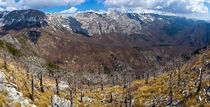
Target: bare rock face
(105, 23)
(56, 21)
(12, 93)
(12, 40)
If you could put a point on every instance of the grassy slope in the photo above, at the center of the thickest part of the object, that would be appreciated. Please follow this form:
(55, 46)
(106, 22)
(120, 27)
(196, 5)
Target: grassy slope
(141, 92)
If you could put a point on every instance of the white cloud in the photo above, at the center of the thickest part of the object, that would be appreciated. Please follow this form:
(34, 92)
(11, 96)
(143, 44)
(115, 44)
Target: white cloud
(1, 9)
(39, 4)
(11, 8)
(173, 6)
(207, 1)
(69, 11)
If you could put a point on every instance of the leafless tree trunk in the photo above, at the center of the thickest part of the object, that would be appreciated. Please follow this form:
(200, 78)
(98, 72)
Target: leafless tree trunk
(71, 91)
(113, 80)
(154, 75)
(32, 87)
(5, 61)
(124, 79)
(110, 100)
(147, 78)
(27, 72)
(153, 103)
(130, 99)
(50, 73)
(126, 101)
(13, 76)
(71, 97)
(179, 76)
(203, 68)
(102, 85)
(81, 95)
(57, 85)
(170, 88)
(75, 89)
(41, 82)
(137, 76)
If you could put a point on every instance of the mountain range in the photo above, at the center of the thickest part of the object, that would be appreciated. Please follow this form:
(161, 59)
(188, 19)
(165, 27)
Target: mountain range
(87, 40)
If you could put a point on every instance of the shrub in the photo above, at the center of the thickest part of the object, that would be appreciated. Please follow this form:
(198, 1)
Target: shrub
(14, 51)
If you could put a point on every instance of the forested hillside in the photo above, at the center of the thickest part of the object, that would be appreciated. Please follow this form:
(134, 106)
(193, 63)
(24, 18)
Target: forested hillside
(179, 84)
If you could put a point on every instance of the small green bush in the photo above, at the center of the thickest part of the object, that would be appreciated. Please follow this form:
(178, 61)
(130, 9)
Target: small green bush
(14, 51)
(51, 65)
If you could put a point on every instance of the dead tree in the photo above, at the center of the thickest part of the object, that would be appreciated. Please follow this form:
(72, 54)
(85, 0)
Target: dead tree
(179, 77)
(113, 80)
(154, 75)
(57, 79)
(32, 88)
(57, 85)
(50, 73)
(203, 68)
(111, 99)
(27, 72)
(125, 101)
(124, 80)
(41, 81)
(5, 61)
(71, 97)
(81, 95)
(70, 90)
(102, 77)
(178, 64)
(170, 88)
(130, 98)
(147, 78)
(13, 76)
(75, 84)
(101, 82)
(154, 70)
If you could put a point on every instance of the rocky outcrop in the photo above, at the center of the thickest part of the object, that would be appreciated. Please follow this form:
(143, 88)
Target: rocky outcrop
(12, 40)
(60, 102)
(12, 92)
(105, 23)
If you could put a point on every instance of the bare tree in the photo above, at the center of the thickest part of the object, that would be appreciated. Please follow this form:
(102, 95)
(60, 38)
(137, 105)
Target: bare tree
(71, 97)
(40, 75)
(154, 70)
(147, 77)
(179, 66)
(102, 77)
(27, 72)
(101, 82)
(203, 68)
(113, 80)
(32, 88)
(111, 99)
(130, 98)
(125, 101)
(70, 89)
(81, 95)
(5, 61)
(170, 88)
(57, 85)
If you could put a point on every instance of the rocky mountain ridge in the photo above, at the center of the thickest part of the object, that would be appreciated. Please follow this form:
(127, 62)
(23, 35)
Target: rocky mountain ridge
(89, 39)
(94, 23)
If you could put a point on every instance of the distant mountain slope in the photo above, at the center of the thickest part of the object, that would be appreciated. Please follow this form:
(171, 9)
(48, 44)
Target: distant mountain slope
(83, 90)
(89, 39)
(20, 19)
